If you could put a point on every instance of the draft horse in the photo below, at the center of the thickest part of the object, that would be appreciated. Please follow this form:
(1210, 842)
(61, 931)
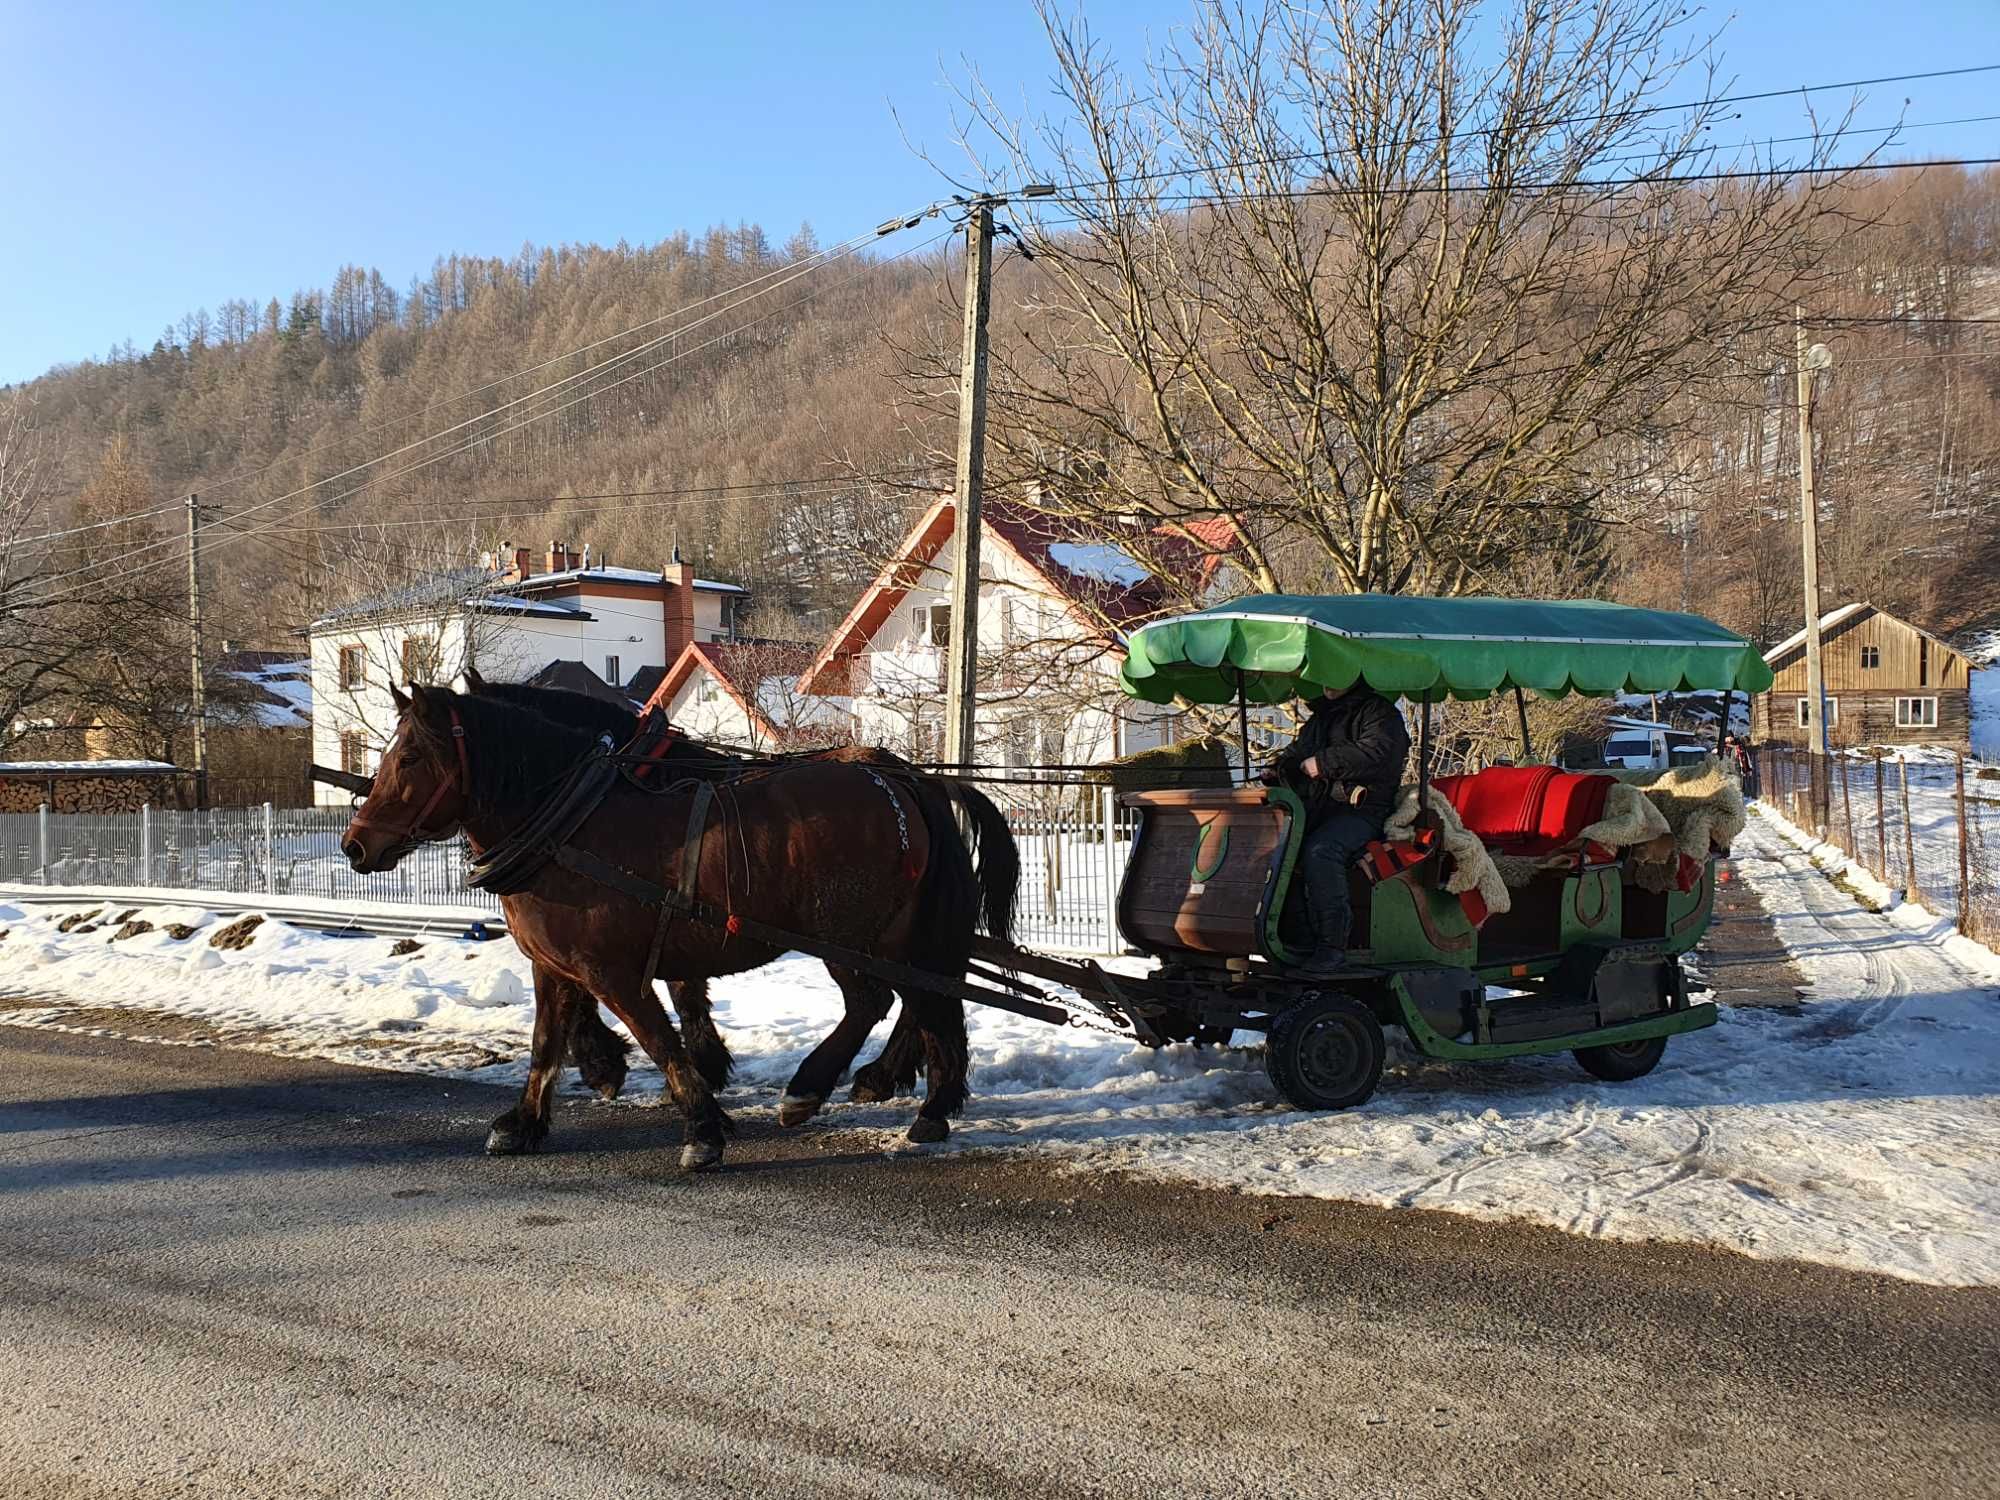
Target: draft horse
(833, 850)
(599, 1052)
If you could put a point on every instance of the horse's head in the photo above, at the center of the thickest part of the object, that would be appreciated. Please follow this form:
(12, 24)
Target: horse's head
(420, 787)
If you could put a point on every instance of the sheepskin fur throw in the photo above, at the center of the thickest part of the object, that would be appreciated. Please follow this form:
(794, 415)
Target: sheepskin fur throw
(1472, 861)
(1702, 803)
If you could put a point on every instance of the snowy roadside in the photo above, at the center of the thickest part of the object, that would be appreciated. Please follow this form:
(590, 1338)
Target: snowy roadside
(1857, 1128)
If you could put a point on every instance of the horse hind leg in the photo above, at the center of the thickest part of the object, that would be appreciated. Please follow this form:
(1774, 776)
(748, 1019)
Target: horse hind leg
(705, 1046)
(947, 1057)
(894, 1071)
(868, 1001)
(598, 1052)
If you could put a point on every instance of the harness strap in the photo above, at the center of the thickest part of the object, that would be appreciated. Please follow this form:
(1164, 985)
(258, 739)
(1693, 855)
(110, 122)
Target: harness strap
(697, 829)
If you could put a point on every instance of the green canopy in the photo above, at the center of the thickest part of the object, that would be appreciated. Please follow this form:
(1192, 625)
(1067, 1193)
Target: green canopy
(1283, 646)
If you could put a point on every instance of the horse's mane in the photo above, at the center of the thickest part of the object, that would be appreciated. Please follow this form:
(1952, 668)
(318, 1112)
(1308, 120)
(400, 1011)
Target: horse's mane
(513, 755)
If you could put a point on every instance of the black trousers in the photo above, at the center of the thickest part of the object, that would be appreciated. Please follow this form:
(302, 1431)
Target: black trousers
(1328, 853)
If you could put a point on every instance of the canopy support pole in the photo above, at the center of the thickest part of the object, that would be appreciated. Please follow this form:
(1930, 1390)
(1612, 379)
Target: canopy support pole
(1243, 724)
(1527, 744)
(1424, 764)
(1722, 726)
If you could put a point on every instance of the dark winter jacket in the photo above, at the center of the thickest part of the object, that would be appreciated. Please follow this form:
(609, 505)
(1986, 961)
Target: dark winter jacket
(1359, 740)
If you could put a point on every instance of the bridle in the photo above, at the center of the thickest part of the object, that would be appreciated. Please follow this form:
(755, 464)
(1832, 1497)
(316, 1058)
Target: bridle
(414, 832)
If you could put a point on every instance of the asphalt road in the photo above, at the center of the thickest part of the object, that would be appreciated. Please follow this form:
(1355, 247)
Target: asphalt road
(231, 1274)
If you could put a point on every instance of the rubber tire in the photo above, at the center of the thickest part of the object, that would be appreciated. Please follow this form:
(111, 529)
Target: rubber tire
(1621, 1064)
(1296, 1056)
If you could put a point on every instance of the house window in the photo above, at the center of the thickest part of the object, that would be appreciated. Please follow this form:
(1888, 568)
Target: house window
(1832, 711)
(420, 659)
(940, 632)
(1871, 657)
(353, 668)
(704, 689)
(1916, 713)
(354, 755)
(611, 674)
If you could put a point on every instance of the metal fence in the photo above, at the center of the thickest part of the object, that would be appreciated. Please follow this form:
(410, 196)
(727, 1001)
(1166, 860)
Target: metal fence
(1072, 860)
(1927, 825)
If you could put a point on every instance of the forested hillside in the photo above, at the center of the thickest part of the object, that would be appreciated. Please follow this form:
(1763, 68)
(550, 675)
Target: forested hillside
(776, 411)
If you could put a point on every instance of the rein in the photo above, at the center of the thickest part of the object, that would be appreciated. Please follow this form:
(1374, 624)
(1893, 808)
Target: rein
(414, 831)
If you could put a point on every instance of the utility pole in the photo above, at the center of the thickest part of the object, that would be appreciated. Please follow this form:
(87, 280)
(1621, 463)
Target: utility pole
(197, 697)
(961, 681)
(1807, 361)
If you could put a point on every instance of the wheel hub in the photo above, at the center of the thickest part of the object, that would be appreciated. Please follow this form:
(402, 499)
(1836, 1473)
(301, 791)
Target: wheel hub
(1328, 1058)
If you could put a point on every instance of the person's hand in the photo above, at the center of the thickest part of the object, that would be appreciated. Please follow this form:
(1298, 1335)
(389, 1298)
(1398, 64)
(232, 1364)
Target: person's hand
(1270, 776)
(1310, 766)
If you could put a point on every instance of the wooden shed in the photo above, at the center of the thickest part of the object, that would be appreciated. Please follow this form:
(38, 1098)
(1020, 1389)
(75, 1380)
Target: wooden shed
(1888, 682)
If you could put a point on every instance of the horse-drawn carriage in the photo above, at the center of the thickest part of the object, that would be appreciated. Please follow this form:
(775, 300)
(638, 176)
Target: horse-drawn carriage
(1517, 910)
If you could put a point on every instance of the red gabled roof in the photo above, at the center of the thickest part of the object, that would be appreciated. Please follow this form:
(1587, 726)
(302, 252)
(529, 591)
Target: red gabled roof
(1030, 534)
(741, 667)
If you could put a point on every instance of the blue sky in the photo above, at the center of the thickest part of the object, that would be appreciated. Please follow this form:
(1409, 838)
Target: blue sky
(158, 158)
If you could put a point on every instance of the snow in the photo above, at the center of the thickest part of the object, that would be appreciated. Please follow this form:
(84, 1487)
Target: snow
(1100, 561)
(1984, 653)
(80, 767)
(1856, 1128)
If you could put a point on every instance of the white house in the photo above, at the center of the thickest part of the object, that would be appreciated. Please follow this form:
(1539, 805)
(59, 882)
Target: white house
(748, 694)
(622, 624)
(1053, 603)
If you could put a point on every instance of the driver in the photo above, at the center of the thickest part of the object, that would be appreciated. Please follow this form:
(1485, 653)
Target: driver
(1347, 764)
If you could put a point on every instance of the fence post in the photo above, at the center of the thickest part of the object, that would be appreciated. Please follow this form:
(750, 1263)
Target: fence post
(270, 853)
(1847, 808)
(1881, 823)
(1107, 811)
(42, 824)
(145, 843)
(1911, 891)
(1964, 856)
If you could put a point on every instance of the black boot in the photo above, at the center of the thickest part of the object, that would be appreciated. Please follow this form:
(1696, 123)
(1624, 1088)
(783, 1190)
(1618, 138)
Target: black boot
(1331, 911)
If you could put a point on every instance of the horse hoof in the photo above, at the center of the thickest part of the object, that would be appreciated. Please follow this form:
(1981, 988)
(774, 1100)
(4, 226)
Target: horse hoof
(700, 1156)
(866, 1090)
(796, 1109)
(510, 1143)
(929, 1132)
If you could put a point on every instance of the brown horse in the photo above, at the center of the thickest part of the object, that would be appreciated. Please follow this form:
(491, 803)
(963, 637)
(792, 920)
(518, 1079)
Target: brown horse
(599, 1052)
(842, 852)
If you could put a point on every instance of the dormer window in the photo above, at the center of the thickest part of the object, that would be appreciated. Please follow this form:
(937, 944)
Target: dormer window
(1871, 657)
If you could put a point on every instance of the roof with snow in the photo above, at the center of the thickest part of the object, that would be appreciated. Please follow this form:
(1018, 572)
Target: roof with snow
(88, 768)
(1104, 579)
(1847, 616)
(599, 574)
(480, 588)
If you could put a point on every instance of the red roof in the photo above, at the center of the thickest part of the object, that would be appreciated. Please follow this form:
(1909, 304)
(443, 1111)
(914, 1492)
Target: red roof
(1096, 600)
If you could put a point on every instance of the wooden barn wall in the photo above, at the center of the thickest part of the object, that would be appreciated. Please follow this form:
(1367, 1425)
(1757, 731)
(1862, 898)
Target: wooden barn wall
(1868, 718)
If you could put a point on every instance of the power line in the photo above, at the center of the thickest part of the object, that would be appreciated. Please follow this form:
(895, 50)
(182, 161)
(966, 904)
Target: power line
(555, 387)
(1639, 112)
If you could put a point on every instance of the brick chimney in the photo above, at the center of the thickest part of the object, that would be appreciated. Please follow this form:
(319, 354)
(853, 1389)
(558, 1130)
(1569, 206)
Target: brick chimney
(677, 585)
(523, 563)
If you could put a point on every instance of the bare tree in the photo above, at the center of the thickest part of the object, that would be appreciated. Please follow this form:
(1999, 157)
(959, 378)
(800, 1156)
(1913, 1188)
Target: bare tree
(1395, 288)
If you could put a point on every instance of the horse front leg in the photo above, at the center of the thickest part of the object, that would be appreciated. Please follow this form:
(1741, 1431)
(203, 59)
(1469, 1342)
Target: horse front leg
(558, 1002)
(598, 1052)
(707, 1125)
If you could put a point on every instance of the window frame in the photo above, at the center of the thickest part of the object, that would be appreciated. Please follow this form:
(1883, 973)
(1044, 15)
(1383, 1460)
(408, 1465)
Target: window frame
(612, 674)
(1832, 712)
(353, 681)
(354, 752)
(1871, 657)
(1927, 699)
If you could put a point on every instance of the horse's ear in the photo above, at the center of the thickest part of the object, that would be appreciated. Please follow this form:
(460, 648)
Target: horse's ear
(474, 683)
(399, 698)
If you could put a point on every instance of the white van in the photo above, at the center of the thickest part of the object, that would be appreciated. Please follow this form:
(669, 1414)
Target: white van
(1650, 747)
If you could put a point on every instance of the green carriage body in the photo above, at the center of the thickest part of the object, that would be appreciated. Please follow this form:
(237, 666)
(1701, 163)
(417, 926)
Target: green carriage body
(1589, 959)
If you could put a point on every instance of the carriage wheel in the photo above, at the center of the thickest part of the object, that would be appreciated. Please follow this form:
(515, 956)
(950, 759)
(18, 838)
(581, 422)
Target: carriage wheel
(1622, 1061)
(1325, 1052)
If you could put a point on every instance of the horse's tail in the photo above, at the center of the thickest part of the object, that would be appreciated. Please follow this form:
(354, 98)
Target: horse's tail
(948, 905)
(996, 860)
